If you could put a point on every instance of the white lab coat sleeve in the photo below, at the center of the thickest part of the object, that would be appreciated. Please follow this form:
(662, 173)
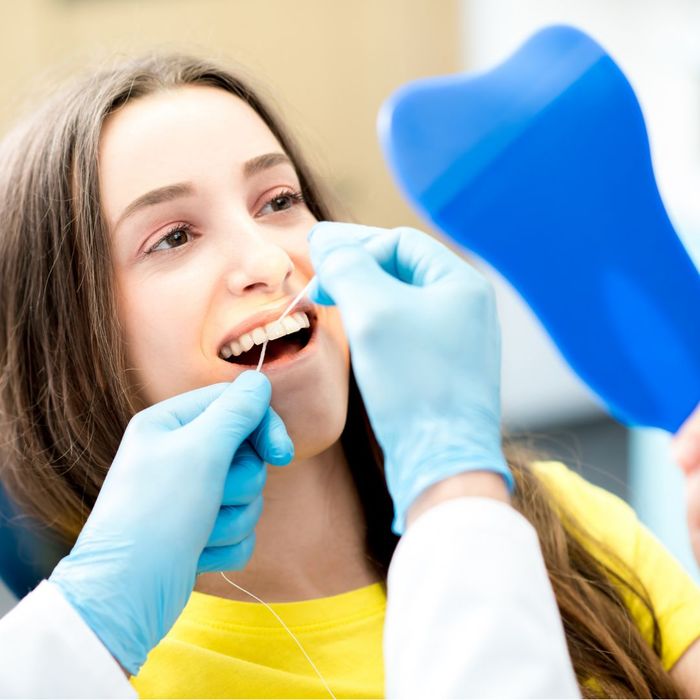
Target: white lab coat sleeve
(48, 651)
(471, 612)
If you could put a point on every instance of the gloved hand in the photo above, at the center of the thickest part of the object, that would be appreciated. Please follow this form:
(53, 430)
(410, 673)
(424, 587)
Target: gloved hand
(425, 348)
(182, 497)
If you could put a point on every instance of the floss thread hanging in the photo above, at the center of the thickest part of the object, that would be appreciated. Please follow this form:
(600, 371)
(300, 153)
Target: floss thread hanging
(294, 302)
(289, 632)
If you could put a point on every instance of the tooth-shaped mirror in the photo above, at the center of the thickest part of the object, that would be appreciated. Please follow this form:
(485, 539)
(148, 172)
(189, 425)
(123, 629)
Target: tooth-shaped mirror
(542, 168)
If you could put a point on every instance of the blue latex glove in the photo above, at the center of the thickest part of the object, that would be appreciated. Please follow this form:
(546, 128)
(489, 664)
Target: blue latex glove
(425, 346)
(182, 497)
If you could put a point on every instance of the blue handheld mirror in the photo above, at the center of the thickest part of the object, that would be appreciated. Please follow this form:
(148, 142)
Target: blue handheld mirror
(542, 167)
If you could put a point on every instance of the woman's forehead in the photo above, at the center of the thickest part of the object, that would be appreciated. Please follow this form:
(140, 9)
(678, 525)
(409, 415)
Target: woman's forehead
(184, 134)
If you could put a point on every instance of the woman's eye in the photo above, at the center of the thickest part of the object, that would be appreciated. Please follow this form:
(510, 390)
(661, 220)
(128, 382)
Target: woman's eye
(173, 239)
(281, 202)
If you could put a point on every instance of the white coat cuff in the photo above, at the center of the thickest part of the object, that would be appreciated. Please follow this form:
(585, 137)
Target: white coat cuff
(48, 651)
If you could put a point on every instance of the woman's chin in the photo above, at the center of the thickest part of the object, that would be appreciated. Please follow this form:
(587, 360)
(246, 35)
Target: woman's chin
(312, 437)
(314, 414)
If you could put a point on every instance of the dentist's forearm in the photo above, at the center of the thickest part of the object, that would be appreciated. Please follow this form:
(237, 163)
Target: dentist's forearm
(483, 484)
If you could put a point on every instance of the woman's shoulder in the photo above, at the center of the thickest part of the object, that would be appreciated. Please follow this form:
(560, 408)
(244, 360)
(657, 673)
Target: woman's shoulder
(610, 529)
(604, 515)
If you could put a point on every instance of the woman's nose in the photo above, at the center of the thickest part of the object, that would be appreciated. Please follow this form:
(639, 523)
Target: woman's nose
(261, 266)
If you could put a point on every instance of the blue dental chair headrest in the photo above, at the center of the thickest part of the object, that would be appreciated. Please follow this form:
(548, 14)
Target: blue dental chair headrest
(28, 552)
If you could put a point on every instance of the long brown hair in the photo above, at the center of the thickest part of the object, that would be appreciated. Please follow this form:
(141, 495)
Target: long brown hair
(65, 399)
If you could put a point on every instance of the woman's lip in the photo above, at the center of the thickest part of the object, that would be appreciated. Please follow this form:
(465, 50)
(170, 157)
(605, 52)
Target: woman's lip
(264, 317)
(287, 360)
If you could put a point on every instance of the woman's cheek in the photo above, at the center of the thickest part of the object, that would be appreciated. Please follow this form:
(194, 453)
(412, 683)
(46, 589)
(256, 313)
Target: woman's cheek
(335, 323)
(161, 343)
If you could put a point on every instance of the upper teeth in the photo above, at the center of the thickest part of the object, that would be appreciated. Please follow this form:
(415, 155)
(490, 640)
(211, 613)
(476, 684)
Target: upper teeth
(271, 331)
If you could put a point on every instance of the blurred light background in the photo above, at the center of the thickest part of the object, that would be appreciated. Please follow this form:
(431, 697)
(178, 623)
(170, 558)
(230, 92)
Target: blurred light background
(327, 66)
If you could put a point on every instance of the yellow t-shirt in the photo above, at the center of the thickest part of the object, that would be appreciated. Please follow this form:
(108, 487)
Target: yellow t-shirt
(223, 648)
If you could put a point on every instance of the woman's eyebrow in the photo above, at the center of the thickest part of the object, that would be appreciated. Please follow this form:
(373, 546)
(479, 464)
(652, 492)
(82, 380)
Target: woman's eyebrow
(268, 160)
(157, 196)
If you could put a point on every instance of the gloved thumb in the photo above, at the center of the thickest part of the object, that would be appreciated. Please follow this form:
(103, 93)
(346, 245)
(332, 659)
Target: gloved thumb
(271, 440)
(346, 271)
(236, 414)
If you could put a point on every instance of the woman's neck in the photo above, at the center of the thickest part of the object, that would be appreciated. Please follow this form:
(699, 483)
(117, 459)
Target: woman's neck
(310, 540)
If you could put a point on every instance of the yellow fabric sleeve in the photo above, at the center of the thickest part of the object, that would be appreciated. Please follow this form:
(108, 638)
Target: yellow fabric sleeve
(674, 595)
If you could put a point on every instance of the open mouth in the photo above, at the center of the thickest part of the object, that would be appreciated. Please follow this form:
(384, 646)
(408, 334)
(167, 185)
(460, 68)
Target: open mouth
(285, 340)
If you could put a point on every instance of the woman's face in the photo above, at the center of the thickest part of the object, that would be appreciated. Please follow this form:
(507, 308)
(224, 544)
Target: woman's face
(208, 234)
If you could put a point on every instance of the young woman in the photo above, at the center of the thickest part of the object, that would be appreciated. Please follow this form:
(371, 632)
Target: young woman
(153, 215)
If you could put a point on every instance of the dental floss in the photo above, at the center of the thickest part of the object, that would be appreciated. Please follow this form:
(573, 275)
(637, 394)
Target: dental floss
(289, 632)
(293, 303)
(262, 355)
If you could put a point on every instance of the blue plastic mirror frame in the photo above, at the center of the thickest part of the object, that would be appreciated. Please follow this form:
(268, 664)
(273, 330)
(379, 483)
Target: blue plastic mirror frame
(542, 167)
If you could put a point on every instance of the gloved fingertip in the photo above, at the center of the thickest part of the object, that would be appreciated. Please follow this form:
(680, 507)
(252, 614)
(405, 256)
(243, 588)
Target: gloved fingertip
(319, 226)
(317, 294)
(283, 454)
(247, 547)
(326, 236)
(230, 558)
(252, 380)
(271, 440)
(314, 289)
(280, 446)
